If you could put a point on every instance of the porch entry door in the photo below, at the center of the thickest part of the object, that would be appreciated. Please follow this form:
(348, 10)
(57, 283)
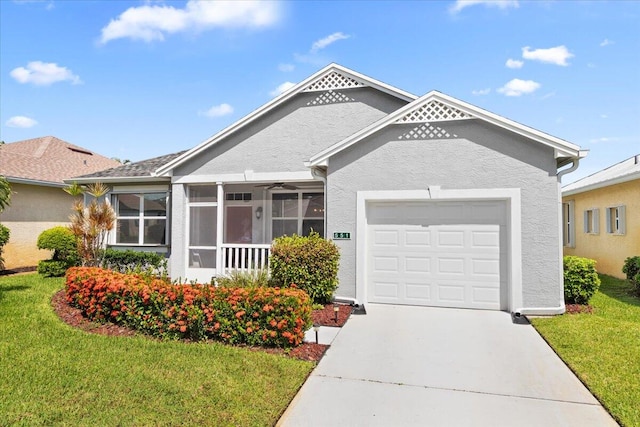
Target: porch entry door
(239, 227)
(297, 212)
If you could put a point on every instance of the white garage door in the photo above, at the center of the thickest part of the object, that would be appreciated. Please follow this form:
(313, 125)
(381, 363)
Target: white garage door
(446, 254)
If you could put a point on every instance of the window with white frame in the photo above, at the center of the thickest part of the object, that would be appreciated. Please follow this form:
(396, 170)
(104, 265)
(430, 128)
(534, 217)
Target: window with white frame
(568, 226)
(616, 220)
(592, 221)
(203, 222)
(141, 218)
(297, 213)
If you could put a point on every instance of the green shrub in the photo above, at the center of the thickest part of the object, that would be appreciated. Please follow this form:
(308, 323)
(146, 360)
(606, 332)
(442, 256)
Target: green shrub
(581, 279)
(4, 238)
(253, 316)
(243, 279)
(631, 268)
(146, 263)
(63, 243)
(52, 268)
(311, 263)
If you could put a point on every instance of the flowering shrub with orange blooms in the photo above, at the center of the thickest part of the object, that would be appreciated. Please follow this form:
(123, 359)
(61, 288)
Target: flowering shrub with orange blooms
(263, 316)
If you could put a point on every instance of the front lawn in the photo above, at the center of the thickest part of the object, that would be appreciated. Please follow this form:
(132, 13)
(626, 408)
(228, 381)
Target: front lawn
(51, 373)
(603, 348)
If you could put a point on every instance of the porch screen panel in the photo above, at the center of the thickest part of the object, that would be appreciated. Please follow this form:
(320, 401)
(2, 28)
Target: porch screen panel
(313, 213)
(284, 214)
(202, 225)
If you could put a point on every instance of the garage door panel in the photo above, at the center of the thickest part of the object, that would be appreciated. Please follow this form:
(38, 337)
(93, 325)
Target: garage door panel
(386, 237)
(418, 292)
(447, 254)
(386, 264)
(413, 264)
(420, 237)
(450, 239)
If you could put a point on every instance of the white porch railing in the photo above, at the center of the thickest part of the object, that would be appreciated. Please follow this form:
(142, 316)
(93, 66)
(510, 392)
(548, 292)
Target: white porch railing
(245, 257)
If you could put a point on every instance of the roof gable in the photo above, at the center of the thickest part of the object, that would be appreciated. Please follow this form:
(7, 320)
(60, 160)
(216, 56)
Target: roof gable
(626, 170)
(438, 107)
(49, 160)
(331, 77)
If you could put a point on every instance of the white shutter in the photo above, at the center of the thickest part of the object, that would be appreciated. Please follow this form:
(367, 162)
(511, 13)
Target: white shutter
(596, 221)
(585, 222)
(621, 220)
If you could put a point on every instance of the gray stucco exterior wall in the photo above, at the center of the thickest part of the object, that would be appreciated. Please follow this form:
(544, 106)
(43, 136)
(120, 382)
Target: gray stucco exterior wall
(282, 140)
(475, 156)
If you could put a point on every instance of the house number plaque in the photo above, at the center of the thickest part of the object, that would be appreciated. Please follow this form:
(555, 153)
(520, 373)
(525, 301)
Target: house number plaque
(341, 236)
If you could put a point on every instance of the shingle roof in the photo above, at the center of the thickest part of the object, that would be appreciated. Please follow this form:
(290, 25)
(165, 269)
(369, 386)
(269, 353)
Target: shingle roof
(143, 168)
(49, 159)
(626, 170)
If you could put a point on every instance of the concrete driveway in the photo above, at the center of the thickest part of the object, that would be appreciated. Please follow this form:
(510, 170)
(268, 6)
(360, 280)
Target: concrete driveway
(401, 366)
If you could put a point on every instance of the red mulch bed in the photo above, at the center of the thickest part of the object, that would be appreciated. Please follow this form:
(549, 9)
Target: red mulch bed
(577, 308)
(327, 316)
(306, 351)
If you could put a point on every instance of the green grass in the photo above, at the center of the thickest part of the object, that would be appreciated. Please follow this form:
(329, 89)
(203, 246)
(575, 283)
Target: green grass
(603, 348)
(53, 374)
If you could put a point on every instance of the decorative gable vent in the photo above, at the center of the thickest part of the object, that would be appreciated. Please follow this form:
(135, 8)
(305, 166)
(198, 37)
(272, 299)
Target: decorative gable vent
(330, 97)
(433, 111)
(427, 131)
(334, 80)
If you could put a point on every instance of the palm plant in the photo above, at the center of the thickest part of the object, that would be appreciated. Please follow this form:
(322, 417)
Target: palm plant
(91, 223)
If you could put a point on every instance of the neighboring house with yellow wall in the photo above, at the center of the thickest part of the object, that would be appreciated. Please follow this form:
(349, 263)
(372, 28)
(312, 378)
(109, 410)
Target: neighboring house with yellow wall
(35, 169)
(601, 216)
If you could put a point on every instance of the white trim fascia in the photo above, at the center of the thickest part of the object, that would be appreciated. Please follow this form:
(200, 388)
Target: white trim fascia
(118, 179)
(435, 193)
(27, 181)
(119, 189)
(247, 176)
(277, 101)
(561, 147)
(601, 184)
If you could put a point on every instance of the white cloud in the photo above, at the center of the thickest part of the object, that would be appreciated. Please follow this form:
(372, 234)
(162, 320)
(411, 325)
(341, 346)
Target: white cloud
(152, 22)
(20, 122)
(326, 41)
(605, 42)
(514, 63)
(481, 91)
(43, 74)
(501, 4)
(217, 111)
(554, 55)
(286, 67)
(282, 88)
(549, 95)
(517, 87)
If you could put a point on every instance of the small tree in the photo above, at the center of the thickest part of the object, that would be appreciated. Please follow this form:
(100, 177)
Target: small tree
(91, 224)
(5, 200)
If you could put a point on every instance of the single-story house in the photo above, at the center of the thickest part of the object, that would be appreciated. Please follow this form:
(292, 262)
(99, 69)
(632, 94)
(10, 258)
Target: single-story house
(36, 170)
(601, 216)
(432, 201)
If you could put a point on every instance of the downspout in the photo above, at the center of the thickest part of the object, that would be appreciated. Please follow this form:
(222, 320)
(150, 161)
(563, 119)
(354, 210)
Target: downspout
(321, 176)
(518, 312)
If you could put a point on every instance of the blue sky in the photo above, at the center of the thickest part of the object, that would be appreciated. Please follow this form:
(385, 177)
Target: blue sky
(139, 79)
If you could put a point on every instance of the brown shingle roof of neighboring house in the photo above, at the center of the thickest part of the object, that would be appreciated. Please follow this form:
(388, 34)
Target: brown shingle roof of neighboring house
(49, 159)
(143, 168)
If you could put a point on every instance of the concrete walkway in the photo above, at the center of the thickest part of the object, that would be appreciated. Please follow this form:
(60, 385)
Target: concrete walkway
(403, 366)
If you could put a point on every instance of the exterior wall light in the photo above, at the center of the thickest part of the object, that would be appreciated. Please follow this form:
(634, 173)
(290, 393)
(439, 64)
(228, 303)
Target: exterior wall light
(259, 212)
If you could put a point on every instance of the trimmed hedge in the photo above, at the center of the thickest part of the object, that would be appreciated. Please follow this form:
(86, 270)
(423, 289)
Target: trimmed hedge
(137, 262)
(581, 279)
(64, 245)
(309, 262)
(270, 317)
